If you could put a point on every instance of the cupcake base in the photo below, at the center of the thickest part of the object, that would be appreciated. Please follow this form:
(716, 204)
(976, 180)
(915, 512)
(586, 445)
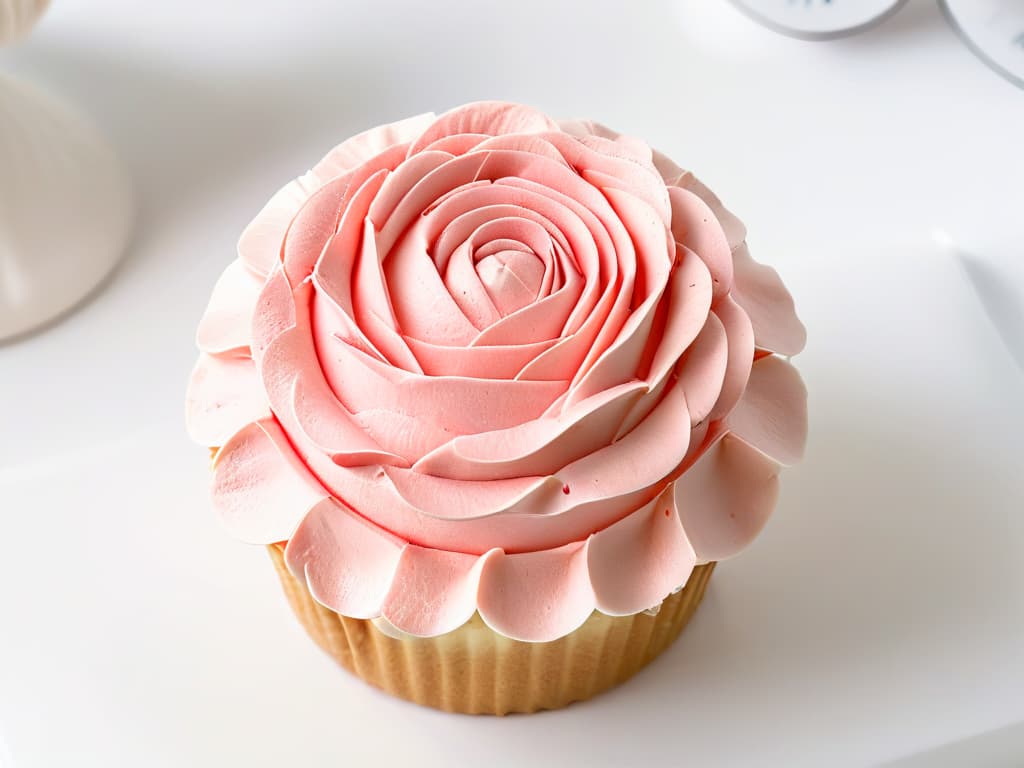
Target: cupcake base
(475, 670)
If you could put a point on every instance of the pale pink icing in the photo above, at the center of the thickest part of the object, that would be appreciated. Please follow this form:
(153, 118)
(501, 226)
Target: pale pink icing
(489, 362)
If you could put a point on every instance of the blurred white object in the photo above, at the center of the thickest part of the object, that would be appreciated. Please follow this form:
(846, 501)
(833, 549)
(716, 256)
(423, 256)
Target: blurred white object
(819, 19)
(994, 30)
(1003, 306)
(65, 208)
(17, 17)
(65, 204)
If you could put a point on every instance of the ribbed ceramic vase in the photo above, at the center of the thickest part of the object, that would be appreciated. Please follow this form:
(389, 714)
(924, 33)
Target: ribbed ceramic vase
(65, 202)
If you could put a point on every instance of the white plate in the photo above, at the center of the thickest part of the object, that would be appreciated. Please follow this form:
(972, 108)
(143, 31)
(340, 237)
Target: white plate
(137, 631)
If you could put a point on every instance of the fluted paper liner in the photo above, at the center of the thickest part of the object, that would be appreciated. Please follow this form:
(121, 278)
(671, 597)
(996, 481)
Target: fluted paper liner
(475, 670)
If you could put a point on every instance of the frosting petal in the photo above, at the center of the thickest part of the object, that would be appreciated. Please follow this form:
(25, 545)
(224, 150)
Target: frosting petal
(491, 118)
(537, 447)
(224, 394)
(670, 172)
(741, 353)
(347, 563)
(759, 290)
(477, 362)
(703, 367)
(655, 448)
(655, 254)
(772, 414)
(725, 498)
(462, 405)
(734, 230)
(334, 300)
(353, 152)
(277, 312)
(262, 241)
(424, 308)
(224, 328)
(625, 167)
(552, 596)
(653, 542)
(314, 224)
(689, 299)
(694, 225)
(260, 488)
(433, 591)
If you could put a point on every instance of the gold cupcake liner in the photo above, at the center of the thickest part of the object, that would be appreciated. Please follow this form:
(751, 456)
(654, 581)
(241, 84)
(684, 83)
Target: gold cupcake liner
(475, 670)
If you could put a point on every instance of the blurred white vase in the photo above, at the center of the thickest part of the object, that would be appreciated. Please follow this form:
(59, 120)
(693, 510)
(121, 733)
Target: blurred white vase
(17, 17)
(65, 201)
(65, 208)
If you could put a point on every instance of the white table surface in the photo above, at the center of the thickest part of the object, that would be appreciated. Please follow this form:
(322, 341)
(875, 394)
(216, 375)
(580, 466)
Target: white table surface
(881, 614)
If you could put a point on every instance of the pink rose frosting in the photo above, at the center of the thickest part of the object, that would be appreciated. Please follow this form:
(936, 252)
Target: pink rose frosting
(492, 362)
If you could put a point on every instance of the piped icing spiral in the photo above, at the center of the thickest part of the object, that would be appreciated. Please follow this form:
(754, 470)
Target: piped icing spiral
(492, 362)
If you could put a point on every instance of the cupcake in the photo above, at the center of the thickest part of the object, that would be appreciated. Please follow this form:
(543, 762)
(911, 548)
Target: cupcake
(496, 392)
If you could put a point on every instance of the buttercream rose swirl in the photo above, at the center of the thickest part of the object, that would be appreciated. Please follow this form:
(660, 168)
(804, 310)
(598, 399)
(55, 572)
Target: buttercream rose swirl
(472, 360)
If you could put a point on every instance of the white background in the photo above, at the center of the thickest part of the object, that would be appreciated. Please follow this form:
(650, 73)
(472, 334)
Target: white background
(880, 614)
